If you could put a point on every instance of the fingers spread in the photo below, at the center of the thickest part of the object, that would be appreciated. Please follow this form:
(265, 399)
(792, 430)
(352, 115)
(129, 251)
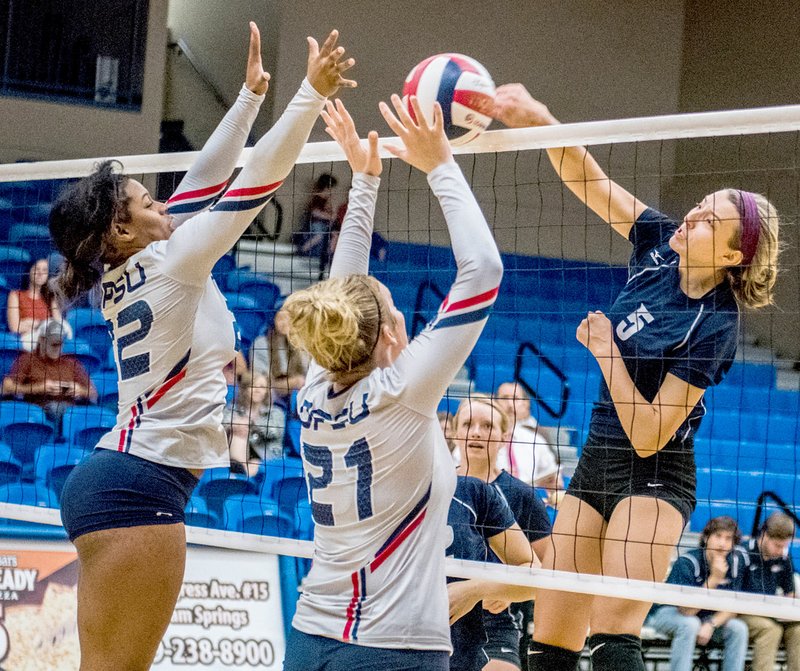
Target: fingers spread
(391, 119)
(330, 43)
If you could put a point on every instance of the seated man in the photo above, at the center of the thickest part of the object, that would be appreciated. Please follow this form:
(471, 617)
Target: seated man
(717, 564)
(771, 572)
(529, 457)
(47, 378)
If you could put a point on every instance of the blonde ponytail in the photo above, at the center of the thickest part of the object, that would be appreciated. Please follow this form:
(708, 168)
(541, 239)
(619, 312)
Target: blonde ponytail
(338, 323)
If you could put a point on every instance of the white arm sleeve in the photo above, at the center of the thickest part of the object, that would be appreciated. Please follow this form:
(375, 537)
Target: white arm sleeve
(195, 247)
(428, 365)
(209, 174)
(355, 239)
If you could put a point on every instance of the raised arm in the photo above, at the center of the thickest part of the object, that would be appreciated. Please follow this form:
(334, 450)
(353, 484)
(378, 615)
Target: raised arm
(209, 175)
(576, 167)
(427, 366)
(195, 247)
(352, 249)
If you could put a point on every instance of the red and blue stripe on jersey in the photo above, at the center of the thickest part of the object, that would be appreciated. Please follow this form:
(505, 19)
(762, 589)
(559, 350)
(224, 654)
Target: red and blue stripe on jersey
(359, 578)
(465, 311)
(190, 202)
(247, 198)
(149, 399)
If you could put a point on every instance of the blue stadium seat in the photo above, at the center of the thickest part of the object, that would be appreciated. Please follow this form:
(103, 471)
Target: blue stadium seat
(487, 378)
(10, 467)
(271, 471)
(10, 349)
(89, 325)
(84, 425)
(28, 494)
(253, 515)
(223, 268)
(251, 318)
(257, 286)
(24, 427)
(15, 263)
(218, 484)
(34, 237)
(742, 512)
(289, 491)
(197, 514)
(53, 462)
(107, 386)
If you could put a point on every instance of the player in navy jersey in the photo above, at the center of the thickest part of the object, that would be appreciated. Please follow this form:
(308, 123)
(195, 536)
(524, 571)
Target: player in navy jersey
(483, 529)
(173, 334)
(379, 473)
(481, 429)
(671, 333)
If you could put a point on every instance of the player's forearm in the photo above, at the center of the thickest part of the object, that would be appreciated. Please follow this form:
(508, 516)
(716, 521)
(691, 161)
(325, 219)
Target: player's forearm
(209, 174)
(474, 248)
(641, 420)
(487, 590)
(353, 247)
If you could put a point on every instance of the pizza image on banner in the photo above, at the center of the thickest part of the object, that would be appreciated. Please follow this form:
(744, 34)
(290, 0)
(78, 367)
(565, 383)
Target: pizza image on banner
(38, 604)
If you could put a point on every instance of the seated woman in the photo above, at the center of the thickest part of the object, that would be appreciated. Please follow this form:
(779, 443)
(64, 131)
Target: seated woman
(255, 425)
(32, 305)
(275, 357)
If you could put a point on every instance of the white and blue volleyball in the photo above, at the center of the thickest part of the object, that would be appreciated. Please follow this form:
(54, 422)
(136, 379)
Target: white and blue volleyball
(461, 85)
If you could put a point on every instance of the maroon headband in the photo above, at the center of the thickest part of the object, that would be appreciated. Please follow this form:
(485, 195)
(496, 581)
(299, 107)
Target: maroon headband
(751, 227)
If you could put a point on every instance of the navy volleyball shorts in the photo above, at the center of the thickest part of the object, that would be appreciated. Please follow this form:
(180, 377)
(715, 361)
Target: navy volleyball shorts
(609, 470)
(305, 652)
(111, 490)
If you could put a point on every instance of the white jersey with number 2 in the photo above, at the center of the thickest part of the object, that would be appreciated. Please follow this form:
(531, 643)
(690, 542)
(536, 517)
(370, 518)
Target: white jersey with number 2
(172, 330)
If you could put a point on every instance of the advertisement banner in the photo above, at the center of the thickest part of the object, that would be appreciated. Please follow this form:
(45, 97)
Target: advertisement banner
(228, 615)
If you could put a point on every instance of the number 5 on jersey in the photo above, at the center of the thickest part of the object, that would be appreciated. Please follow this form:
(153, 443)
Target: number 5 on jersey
(358, 457)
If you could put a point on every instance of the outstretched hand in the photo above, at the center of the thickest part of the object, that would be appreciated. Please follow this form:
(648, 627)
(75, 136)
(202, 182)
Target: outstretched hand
(424, 146)
(340, 126)
(256, 78)
(325, 66)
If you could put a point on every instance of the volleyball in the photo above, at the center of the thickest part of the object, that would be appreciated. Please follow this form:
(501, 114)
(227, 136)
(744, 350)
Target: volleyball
(461, 85)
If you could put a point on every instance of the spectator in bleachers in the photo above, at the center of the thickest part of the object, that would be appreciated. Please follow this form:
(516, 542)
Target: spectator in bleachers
(717, 564)
(49, 378)
(32, 305)
(771, 572)
(255, 425)
(314, 236)
(529, 456)
(236, 369)
(283, 364)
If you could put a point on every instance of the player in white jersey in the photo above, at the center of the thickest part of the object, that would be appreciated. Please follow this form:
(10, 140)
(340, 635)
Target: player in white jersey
(172, 333)
(379, 472)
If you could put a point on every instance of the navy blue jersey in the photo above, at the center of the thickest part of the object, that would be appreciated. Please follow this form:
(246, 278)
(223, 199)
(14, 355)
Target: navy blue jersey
(692, 569)
(532, 517)
(660, 330)
(529, 510)
(767, 576)
(477, 512)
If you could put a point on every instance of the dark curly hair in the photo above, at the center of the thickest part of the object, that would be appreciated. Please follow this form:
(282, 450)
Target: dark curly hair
(79, 223)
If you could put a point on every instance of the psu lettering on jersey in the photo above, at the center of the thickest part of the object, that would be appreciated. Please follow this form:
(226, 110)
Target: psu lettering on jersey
(115, 291)
(311, 417)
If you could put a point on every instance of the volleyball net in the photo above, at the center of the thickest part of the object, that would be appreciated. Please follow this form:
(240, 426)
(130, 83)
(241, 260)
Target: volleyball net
(560, 262)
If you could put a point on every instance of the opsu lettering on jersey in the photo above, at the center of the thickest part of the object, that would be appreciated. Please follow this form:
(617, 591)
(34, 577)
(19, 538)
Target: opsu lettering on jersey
(311, 417)
(115, 291)
(634, 322)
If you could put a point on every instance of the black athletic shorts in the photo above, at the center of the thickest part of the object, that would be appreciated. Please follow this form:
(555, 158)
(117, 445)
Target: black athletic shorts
(609, 471)
(111, 490)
